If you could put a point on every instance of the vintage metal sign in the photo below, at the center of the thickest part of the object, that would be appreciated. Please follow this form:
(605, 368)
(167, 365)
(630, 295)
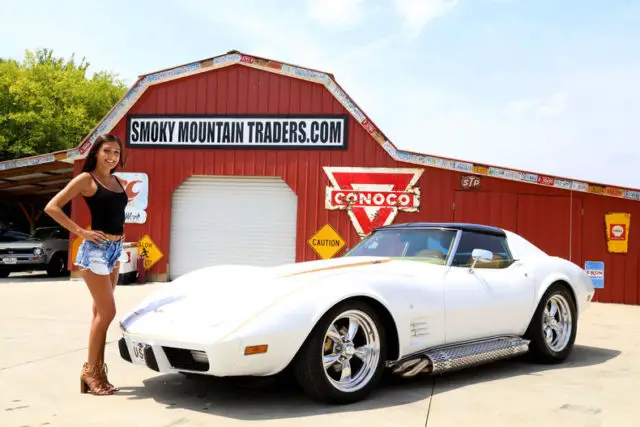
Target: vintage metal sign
(326, 242)
(470, 182)
(136, 185)
(229, 131)
(372, 196)
(617, 224)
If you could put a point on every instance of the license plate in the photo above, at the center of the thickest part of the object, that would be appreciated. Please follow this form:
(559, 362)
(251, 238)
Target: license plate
(10, 260)
(138, 352)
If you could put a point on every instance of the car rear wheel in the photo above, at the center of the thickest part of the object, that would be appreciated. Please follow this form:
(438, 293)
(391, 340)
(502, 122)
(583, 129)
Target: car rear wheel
(343, 357)
(554, 325)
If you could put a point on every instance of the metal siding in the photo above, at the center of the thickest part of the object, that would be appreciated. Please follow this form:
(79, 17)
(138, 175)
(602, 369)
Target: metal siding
(242, 90)
(238, 89)
(621, 270)
(486, 208)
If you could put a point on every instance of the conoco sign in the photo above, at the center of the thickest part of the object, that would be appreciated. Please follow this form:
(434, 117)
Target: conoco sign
(372, 196)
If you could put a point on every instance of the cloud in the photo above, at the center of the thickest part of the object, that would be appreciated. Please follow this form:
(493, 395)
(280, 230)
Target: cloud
(336, 13)
(553, 106)
(416, 14)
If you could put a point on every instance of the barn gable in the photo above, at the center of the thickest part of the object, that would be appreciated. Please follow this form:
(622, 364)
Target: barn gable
(327, 80)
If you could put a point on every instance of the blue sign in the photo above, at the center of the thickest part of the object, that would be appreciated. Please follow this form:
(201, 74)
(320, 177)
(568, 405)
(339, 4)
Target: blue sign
(595, 270)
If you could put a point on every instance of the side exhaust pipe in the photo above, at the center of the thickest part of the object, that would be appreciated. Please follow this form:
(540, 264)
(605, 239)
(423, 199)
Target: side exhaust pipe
(461, 356)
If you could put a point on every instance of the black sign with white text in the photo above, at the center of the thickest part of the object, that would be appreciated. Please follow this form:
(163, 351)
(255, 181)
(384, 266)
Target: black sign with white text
(260, 131)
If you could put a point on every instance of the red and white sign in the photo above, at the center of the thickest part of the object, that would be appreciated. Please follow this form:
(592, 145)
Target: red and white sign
(596, 274)
(470, 182)
(617, 232)
(372, 196)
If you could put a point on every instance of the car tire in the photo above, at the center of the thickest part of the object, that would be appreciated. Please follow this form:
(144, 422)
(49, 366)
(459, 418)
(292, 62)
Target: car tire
(366, 367)
(57, 266)
(553, 328)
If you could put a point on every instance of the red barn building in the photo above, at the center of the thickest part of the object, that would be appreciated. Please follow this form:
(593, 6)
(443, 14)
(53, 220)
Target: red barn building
(242, 159)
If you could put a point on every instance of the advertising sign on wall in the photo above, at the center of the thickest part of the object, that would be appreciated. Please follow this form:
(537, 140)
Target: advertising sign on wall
(595, 270)
(372, 196)
(246, 131)
(136, 185)
(617, 229)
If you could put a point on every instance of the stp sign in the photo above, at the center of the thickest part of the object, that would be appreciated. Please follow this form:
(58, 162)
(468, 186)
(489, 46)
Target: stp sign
(372, 196)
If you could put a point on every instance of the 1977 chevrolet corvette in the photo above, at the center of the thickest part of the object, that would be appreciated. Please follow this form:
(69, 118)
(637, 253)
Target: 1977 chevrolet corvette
(408, 298)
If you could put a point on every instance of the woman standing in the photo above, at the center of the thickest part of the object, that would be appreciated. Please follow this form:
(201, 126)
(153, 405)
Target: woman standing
(101, 246)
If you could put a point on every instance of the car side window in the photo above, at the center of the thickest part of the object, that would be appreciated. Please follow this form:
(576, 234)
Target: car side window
(471, 240)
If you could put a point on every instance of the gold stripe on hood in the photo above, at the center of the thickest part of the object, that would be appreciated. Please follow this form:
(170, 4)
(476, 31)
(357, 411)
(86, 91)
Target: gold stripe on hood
(335, 267)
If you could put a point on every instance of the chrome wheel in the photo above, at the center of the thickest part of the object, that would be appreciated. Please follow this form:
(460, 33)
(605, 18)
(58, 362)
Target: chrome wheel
(557, 323)
(351, 351)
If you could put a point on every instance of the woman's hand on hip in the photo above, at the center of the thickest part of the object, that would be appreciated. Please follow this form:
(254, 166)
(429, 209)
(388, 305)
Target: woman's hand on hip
(94, 236)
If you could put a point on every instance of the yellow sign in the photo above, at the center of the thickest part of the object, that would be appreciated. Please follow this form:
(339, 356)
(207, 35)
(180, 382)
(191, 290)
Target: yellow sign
(480, 169)
(326, 242)
(148, 249)
(617, 231)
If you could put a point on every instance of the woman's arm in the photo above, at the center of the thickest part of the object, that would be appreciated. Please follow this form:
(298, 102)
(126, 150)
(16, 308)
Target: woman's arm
(54, 208)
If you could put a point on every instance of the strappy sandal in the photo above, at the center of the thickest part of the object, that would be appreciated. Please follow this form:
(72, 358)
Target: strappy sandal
(92, 381)
(104, 371)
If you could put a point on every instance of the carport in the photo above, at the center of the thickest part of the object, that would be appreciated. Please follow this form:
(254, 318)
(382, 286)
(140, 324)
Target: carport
(26, 185)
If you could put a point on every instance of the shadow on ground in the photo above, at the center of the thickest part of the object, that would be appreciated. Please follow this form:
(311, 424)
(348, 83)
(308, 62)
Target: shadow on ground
(264, 400)
(31, 277)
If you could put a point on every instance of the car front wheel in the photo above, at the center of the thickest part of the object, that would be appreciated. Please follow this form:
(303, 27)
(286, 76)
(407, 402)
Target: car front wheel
(554, 325)
(343, 357)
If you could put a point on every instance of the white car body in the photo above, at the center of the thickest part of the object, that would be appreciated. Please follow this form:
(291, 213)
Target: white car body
(213, 315)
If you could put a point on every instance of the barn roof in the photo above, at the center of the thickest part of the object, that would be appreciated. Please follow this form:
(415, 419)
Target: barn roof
(121, 108)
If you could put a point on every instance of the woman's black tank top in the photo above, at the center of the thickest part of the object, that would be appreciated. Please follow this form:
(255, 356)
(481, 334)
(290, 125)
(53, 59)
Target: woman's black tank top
(107, 209)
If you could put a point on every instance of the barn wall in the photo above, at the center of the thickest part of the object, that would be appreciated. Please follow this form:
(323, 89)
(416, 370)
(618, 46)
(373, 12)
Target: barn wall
(241, 90)
(563, 224)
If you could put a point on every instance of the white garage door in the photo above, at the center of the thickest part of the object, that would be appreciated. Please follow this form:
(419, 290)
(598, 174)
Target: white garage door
(232, 220)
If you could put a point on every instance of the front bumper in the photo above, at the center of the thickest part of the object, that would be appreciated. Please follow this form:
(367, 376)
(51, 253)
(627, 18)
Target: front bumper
(163, 358)
(169, 355)
(22, 262)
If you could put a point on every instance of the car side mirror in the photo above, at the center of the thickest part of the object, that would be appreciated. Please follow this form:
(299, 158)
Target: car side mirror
(481, 255)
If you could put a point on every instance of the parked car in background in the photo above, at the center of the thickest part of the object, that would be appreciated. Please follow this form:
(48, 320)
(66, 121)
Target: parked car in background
(46, 249)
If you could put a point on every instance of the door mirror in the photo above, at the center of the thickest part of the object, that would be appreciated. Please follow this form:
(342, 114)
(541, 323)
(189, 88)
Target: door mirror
(481, 255)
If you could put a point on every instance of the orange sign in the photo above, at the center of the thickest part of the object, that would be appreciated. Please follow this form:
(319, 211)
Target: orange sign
(617, 226)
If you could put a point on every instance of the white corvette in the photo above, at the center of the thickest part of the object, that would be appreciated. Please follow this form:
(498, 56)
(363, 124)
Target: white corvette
(408, 298)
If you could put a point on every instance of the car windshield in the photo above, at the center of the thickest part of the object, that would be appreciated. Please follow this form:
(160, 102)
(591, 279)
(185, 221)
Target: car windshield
(425, 244)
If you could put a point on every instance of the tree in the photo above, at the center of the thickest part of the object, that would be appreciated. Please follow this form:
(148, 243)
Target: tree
(49, 104)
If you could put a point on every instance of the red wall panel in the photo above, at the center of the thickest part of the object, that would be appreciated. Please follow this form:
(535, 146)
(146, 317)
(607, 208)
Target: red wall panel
(496, 209)
(551, 223)
(621, 270)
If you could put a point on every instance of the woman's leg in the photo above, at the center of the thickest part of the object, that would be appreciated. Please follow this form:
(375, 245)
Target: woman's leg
(113, 279)
(102, 293)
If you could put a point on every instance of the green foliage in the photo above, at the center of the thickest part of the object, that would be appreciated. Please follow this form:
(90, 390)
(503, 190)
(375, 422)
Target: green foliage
(48, 104)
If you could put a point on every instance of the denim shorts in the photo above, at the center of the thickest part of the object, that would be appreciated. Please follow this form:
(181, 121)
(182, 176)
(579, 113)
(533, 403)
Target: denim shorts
(100, 258)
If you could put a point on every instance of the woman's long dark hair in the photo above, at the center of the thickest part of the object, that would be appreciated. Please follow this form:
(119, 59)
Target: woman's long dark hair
(91, 160)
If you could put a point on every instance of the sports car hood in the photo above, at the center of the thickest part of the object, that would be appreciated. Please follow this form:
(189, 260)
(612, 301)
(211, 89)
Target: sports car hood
(220, 297)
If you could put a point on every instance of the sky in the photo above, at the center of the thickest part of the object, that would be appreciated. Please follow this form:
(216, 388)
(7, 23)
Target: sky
(546, 86)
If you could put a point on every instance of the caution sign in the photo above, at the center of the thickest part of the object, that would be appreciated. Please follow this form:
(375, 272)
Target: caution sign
(326, 242)
(617, 227)
(150, 251)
